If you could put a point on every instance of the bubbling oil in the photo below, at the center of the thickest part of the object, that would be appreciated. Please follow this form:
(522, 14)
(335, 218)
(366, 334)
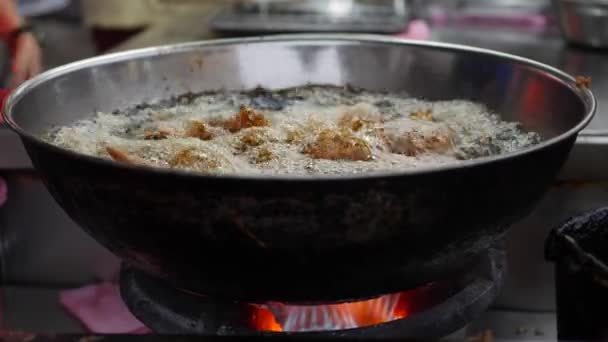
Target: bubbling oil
(392, 132)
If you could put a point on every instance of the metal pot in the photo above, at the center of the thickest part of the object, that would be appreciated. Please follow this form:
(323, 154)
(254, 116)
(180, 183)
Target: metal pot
(584, 22)
(302, 238)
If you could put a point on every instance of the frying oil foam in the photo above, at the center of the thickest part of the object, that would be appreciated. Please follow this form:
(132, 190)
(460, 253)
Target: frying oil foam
(474, 131)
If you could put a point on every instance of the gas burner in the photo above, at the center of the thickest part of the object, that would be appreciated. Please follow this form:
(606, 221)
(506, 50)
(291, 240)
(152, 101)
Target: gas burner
(431, 311)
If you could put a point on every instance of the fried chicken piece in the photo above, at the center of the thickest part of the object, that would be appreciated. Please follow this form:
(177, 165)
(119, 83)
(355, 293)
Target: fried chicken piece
(263, 155)
(358, 116)
(121, 156)
(413, 143)
(335, 145)
(252, 138)
(192, 159)
(294, 136)
(426, 114)
(438, 143)
(245, 118)
(197, 129)
(353, 122)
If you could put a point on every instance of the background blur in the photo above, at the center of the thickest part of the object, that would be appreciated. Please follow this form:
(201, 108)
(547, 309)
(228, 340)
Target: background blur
(43, 252)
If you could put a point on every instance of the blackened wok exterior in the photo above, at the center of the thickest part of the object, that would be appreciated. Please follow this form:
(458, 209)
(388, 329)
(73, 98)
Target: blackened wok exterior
(301, 239)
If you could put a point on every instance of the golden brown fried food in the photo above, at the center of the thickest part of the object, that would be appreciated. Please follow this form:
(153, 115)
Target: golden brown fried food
(336, 145)
(350, 121)
(245, 118)
(252, 138)
(358, 116)
(197, 129)
(295, 136)
(413, 143)
(426, 114)
(192, 159)
(121, 156)
(263, 155)
(440, 143)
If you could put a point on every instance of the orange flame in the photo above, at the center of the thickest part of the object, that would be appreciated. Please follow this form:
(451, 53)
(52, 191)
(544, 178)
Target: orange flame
(294, 318)
(263, 320)
(299, 318)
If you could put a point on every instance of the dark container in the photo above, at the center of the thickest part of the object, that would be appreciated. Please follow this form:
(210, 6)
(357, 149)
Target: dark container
(578, 249)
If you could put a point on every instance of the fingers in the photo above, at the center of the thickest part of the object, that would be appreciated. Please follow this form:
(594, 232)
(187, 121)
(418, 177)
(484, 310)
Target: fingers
(21, 57)
(19, 68)
(26, 60)
(19, 76)
(36, 67)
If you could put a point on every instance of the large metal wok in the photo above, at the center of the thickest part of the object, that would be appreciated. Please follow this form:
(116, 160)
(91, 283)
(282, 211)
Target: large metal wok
(301, 238)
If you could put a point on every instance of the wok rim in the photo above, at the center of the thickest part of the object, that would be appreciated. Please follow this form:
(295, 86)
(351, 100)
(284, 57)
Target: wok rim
(585, 95)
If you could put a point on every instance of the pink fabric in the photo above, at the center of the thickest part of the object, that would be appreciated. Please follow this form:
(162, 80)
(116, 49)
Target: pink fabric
(417, 29)
(101, 310)
(524, 21)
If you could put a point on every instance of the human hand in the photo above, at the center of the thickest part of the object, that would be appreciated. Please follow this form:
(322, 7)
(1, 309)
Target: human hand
(26, 58)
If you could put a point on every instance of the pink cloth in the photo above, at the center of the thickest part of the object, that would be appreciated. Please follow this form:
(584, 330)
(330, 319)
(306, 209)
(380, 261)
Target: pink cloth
(101, 310)
(417, 29)
(519, 21)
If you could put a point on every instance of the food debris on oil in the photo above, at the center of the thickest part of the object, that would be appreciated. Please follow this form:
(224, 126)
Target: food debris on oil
(583, 82)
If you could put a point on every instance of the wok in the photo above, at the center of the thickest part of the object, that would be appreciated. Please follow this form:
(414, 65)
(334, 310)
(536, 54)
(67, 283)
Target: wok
(301, 238)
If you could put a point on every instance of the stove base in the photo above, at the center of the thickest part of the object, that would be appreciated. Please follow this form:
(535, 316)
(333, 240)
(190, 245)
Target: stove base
(169, 311)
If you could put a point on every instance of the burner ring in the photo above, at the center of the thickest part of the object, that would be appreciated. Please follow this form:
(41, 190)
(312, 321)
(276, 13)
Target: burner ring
(182, 313)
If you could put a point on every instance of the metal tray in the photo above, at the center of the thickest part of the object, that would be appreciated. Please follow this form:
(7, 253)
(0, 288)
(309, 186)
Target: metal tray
(313, 16)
